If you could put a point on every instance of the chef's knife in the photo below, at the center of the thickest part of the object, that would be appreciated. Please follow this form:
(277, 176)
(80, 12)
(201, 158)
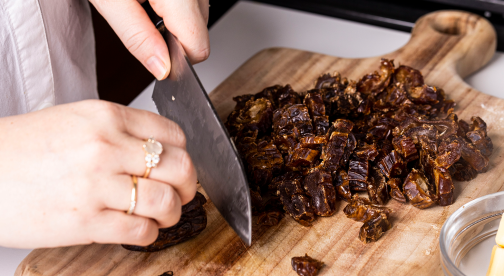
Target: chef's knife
(182, 99)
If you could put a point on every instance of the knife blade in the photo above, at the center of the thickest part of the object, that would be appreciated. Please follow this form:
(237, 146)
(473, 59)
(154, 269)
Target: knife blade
(182, 99)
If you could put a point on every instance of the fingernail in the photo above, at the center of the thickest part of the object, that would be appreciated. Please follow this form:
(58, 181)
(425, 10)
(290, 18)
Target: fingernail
(156, 67)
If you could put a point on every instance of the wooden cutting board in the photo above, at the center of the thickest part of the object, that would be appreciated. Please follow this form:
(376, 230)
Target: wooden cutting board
(446, 46)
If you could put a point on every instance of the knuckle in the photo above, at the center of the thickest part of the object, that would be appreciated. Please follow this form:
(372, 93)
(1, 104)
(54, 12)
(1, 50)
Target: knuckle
(168, 201)
(107, 110)
(141, 231)
(186, 166)
(99, 146)
(135, 41)
(201, 54)
(170, 206)
(178, 135)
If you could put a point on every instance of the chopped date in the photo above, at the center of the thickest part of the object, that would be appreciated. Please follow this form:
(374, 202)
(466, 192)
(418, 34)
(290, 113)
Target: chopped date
(374, 228)
(192, 221)
(342, 125)
(285, 96)
(270, 218)
(306, 266)
(342, 185)
(295, 201)
(424, 94)
(357, 186)
(406, 147)
(374, 83)
(256, 201)
(361, 209)
(395, 187)
(327, 81)
(286, 140)
(448, 154)
(255, 115)
(368, 152)
(444, 186)
(481, 142)
(384, 148)
(388, 134)
(392, 165)
(263, 163)
(349, 149)
(318, 185)
(408, 76)
(334, 150)
(313, 100)
(301, 157)
(472, 155)
(293, 116)
(416, 189)
(321, 124)
(377, 188)
(313, 142)
(462, 171)
(358, 170)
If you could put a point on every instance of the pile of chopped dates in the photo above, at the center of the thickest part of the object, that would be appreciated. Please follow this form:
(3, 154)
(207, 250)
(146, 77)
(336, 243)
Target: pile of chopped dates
(388, 135)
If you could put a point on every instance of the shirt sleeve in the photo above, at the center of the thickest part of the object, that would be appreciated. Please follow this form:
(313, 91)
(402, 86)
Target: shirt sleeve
(48, 54)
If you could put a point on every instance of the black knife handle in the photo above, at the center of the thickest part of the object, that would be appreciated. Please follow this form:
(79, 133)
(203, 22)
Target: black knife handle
(158, 21)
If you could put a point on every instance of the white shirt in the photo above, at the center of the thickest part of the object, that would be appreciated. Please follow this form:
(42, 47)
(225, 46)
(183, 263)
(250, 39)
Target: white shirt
(47, 54)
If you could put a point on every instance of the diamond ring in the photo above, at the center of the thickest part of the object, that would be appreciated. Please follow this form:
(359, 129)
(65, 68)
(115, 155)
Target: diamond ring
(152, 149)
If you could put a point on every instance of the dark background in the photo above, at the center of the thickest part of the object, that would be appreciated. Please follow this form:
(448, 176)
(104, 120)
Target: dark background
(121, 77)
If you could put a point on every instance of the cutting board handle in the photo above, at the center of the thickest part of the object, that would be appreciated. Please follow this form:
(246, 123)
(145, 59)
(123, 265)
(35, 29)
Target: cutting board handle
(456, 41)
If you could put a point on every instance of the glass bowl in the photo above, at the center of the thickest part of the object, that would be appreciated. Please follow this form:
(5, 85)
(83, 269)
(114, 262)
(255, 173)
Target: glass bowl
(468, 235)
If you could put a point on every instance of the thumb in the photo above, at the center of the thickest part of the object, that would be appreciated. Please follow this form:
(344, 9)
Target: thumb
(130, 22)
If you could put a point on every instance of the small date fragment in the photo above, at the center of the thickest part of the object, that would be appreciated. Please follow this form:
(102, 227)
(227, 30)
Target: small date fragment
(192, 222)
(306, 266)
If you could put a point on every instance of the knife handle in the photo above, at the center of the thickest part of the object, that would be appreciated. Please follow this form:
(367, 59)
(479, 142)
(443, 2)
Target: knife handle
(158, 21)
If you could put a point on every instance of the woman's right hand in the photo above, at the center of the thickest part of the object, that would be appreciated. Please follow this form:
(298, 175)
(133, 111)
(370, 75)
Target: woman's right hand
(186, 19)
(66, 176)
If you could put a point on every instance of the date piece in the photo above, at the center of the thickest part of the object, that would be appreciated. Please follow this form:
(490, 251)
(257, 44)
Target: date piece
(306, 265)
(361, 209)
(406, 147)
(377, 188)
(392, 165)
(462, 171)
(270, 218)
(395, 187)
(342, 185)
(318, 185)
(374, 228)
(416, 190)
(295, 200)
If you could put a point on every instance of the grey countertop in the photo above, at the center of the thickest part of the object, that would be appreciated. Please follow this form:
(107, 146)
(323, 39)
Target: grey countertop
(250, 27)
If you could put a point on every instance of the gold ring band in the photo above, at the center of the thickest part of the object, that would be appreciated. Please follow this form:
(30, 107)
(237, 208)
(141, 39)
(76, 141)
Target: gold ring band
(147, 172)
(133, 195)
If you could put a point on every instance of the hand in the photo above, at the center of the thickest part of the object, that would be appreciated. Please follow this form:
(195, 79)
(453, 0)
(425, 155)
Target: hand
(66, 176)
(186, 19)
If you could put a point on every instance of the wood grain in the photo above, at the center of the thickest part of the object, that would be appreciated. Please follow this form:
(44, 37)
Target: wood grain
(446, 46)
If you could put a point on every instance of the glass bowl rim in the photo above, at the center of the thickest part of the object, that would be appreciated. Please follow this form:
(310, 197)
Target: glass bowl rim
(444, 254)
